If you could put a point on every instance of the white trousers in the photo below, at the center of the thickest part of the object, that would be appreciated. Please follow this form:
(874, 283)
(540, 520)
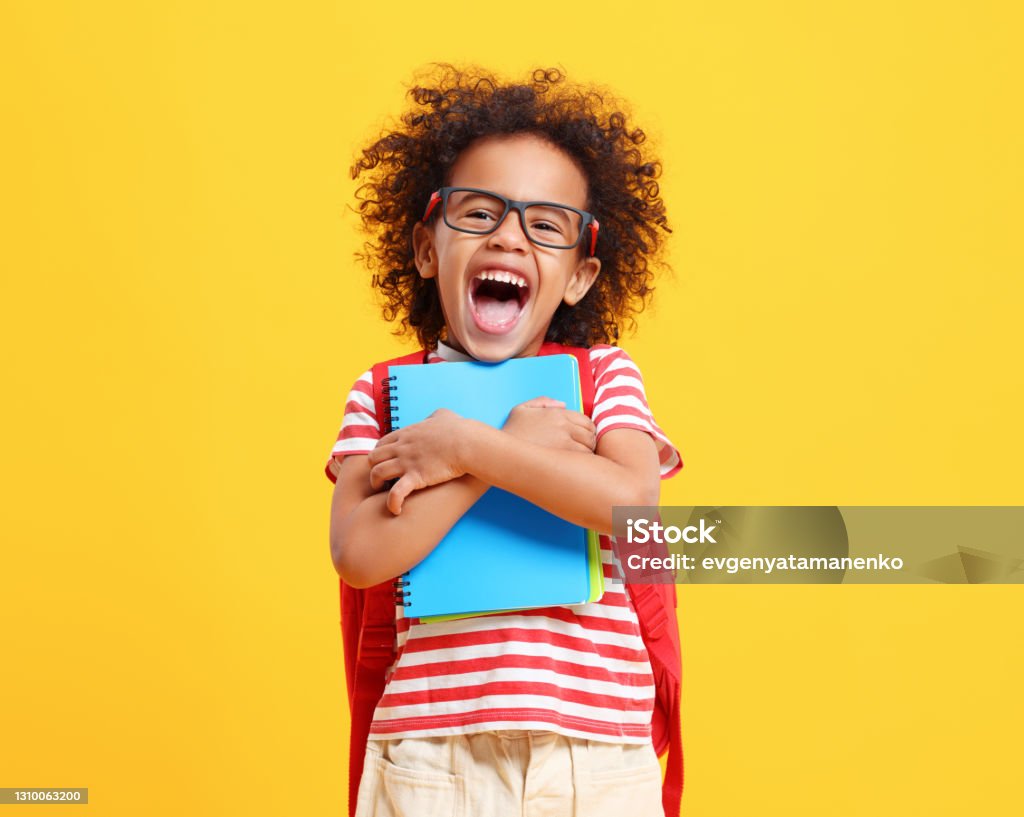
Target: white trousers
(509, 774)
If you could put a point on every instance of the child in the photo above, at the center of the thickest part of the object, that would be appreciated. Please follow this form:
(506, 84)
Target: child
(506, 216)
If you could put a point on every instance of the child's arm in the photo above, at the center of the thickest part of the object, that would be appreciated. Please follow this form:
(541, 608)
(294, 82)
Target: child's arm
(577, 485)
(369, 544)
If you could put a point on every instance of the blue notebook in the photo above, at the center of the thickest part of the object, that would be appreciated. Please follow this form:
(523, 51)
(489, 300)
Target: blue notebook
(505, 553)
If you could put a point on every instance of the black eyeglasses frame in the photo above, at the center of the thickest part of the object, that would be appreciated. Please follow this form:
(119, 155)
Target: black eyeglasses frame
(589, 223)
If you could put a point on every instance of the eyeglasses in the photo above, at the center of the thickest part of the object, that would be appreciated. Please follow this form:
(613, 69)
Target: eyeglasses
(545, 223)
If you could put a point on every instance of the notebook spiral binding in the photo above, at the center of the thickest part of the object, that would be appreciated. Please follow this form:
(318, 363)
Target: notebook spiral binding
(389, 400)
(387, 390)
(402, 590)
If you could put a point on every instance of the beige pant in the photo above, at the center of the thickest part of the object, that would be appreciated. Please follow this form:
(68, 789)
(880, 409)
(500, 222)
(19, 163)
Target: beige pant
(509, 774)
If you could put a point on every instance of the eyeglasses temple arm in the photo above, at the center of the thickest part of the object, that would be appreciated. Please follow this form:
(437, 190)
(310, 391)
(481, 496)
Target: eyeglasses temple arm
(435, 199)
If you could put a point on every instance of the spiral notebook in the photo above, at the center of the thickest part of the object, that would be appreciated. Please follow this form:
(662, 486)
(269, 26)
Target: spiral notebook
(505, 553)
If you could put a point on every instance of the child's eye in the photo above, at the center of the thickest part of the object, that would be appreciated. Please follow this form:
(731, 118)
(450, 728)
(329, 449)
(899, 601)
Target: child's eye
(548, 230)
(483, 215)
(552, 223)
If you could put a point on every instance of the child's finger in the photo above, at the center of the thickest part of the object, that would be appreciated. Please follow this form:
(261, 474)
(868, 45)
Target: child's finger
(383, 473)
(580, 421)
(381, 453)
(388, 438)
(543, 402)
(584, 437)
(397, 495)
(579, 418)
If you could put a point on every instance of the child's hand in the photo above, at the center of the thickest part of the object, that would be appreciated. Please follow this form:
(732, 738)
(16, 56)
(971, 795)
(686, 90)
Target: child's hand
(418, 456)
(549, 423)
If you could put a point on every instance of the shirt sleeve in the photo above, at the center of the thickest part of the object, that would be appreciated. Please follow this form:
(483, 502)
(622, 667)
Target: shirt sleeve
(620, 402)
(360, 429)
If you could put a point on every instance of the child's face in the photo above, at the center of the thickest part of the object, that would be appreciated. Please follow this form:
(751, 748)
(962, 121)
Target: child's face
(498, 320)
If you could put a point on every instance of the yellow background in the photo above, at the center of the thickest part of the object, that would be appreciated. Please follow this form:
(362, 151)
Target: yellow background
(182, 319)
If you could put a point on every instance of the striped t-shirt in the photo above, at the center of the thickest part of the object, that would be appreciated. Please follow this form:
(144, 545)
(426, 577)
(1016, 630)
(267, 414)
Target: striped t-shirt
(579, 670)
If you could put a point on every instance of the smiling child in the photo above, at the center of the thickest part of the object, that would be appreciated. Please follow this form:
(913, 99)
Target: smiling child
(506, 216)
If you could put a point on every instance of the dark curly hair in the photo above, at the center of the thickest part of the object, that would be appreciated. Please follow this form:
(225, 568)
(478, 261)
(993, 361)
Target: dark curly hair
(456, 107)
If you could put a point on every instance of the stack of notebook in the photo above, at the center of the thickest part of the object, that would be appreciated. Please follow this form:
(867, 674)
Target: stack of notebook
(505, 553)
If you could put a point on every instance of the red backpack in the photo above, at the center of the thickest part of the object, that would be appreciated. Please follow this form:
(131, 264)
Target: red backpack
(368, 632)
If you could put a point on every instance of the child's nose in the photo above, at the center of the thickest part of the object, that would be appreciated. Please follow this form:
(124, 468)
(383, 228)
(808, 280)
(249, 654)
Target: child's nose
(509, 234)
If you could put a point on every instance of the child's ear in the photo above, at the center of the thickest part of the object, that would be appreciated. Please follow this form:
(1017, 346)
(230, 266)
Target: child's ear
(424, 253)
(582, 280)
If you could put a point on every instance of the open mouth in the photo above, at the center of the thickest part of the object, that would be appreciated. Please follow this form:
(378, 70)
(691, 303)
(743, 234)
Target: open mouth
(497, 299)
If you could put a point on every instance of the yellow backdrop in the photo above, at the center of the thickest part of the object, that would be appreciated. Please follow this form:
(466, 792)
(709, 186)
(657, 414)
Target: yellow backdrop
(182, 319)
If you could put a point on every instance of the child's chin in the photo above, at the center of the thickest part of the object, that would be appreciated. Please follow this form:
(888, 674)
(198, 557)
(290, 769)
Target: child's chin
(492, 355)
(495, 348)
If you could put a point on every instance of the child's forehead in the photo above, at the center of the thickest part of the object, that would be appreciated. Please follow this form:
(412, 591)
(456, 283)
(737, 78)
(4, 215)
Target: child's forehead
(520, 166)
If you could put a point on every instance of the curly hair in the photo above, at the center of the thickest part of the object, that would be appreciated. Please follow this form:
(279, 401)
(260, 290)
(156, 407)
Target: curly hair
(454, 108)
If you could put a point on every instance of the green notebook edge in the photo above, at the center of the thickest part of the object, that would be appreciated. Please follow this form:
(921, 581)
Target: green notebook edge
(594, 565)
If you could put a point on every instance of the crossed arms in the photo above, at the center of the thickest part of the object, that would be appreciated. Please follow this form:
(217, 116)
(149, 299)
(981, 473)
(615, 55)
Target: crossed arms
(544, 453)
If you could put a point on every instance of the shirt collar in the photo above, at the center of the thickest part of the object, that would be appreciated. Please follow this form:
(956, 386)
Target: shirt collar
(450, 355)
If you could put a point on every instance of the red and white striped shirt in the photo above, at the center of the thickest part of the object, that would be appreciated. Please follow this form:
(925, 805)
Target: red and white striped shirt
(579, 670)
